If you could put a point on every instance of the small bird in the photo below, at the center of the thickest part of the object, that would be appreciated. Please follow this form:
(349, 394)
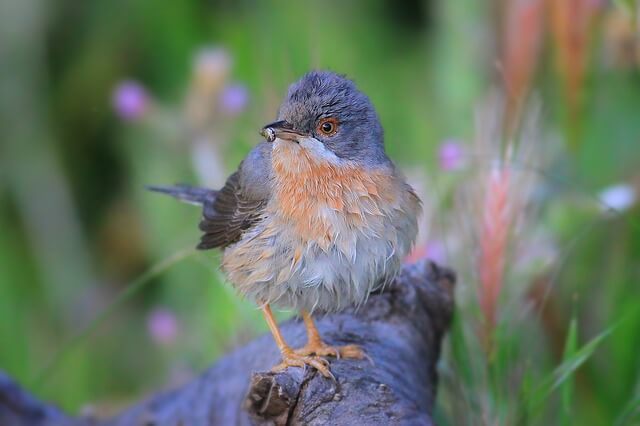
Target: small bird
(316, 217)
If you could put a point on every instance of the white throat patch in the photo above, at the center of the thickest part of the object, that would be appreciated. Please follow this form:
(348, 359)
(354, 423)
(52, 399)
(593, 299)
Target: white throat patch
(319, 150)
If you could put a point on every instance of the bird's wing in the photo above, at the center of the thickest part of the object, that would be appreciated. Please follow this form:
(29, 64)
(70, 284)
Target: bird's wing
(233, 213)
(187, 193)
(227, 213)
(240, 202)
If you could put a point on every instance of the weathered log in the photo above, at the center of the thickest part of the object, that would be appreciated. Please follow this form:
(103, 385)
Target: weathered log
(401, 329)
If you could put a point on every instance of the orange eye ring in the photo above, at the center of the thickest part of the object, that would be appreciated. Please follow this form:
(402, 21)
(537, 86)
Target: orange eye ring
(328, 126)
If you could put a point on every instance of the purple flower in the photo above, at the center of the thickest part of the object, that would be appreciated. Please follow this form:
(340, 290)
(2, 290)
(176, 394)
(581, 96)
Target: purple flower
(234, 99)
(436, 251)
(130, 100)
(162, 326)
(451, 155)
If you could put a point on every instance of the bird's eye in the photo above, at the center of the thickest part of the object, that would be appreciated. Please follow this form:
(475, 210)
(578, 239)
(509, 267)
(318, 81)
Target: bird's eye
(328, 126)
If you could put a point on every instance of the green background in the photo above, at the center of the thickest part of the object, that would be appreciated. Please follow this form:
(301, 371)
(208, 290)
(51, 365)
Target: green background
(77, 227)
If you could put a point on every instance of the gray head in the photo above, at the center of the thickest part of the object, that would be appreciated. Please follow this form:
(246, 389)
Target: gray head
(329, 107)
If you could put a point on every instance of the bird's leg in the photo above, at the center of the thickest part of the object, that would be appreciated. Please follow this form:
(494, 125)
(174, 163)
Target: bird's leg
(289, 357)
(316, 346)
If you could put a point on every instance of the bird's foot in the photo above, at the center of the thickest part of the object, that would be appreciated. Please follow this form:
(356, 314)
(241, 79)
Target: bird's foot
(294, 359)
(322, 349)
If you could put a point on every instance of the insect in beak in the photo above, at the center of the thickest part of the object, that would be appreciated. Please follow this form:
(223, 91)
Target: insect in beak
(280, 130)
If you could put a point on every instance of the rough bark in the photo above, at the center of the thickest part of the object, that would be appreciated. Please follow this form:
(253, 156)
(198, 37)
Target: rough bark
(400, 328)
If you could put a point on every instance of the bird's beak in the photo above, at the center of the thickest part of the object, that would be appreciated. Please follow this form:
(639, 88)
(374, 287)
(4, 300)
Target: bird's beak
(280, 129)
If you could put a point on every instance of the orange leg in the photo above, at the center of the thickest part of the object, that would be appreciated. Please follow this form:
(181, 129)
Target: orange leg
(316, 346)
(290, 358)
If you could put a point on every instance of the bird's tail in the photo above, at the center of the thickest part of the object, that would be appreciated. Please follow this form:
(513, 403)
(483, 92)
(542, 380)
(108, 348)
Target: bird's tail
(189, 194)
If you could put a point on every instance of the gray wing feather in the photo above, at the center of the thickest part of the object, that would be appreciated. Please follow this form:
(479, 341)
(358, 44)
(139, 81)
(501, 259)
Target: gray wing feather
(232, 214)
(229, 212)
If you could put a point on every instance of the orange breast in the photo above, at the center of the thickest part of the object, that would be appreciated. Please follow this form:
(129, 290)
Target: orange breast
(319, 197)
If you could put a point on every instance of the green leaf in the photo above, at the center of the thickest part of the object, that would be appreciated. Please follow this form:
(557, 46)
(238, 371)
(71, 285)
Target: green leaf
(570, 347)
(461, 352)
(565, 371)
(526, 388)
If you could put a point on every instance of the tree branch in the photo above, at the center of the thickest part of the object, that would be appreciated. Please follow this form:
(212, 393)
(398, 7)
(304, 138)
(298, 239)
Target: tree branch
(401, 329)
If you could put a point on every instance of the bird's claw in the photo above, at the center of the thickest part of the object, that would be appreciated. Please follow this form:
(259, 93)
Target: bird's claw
(294, 359)
(322, 349)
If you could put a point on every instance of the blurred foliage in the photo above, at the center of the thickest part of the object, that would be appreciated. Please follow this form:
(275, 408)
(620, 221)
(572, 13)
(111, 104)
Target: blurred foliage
(77, 227)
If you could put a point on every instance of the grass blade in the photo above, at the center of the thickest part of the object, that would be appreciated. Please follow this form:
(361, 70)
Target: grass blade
(570, 347)
(565, 371)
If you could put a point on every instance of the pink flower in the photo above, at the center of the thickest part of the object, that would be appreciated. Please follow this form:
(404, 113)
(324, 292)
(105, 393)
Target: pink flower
(497, 219)
(163, 326)
(234, 99)
(451, 155)
(130, 100)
